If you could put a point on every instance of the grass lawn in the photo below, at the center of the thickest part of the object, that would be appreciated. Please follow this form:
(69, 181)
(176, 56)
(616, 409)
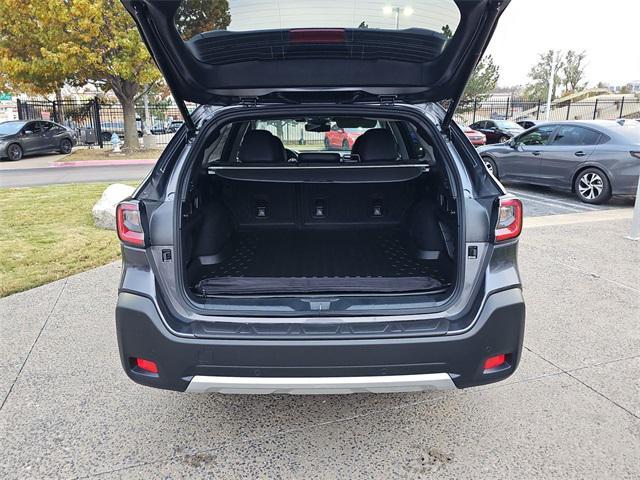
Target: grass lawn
(81, 154)
(47, 233)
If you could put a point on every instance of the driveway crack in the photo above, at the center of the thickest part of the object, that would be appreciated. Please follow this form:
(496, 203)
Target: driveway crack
(568, 373)
(33, 345)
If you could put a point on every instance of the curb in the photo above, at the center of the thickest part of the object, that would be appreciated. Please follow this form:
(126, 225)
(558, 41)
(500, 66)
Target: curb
(103, 163)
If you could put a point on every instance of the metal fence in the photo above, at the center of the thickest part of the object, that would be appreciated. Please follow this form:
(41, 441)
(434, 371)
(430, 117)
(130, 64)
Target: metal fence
(96, 122)
(512, 108)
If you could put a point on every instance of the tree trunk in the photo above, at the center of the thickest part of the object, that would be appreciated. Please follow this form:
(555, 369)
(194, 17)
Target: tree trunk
(130, 125)
(59, 106)
(126, 92)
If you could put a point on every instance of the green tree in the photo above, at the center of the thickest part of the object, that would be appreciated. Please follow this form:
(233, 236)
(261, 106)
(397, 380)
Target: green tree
(573, 71)
(540, 74)
(483, 80)
(47, 43)
(197, 16)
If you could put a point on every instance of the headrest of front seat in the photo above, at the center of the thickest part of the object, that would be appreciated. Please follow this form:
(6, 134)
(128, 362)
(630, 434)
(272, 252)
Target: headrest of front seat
(260, 146)
(376, 145)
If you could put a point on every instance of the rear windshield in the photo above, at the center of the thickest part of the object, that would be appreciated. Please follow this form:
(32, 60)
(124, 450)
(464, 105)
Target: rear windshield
(507, 124)
(194, 16)
(320, 135)
(269, 14)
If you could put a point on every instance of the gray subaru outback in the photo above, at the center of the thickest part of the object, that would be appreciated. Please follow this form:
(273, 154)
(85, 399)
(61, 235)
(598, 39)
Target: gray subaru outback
(319, 224)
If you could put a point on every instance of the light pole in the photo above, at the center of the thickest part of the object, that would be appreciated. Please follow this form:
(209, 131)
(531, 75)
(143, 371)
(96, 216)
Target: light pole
(406, 11)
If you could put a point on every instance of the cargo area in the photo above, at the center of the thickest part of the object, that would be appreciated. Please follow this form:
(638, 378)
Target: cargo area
(276, 238)
(271, 221)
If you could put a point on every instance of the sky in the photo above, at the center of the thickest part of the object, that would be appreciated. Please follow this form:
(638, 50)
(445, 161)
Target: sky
(609, 32)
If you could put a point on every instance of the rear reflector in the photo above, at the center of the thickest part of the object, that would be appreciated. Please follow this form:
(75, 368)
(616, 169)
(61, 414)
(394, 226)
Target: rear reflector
(495, 361)
(146, 365)
(317, 35)
(129, 224)
(509, 219)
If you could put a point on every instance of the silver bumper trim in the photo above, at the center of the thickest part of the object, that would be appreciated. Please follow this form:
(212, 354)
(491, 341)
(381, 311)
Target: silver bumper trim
(321, 385)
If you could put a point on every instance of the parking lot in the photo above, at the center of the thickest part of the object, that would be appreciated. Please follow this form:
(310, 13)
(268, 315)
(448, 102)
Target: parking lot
(539, 201)
(572, 410)
(38, 170)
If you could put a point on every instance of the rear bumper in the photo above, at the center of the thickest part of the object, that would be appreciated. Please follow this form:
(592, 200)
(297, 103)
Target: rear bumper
(321, 385)
(321, 366)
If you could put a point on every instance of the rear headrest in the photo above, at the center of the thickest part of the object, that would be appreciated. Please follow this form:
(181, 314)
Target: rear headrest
(376, 145)
(260, 146)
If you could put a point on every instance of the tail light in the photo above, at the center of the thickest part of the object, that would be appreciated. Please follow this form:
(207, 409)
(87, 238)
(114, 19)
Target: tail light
(146, 365)
(509, 219)
(635, 154)
(495, 362)
(129, 224)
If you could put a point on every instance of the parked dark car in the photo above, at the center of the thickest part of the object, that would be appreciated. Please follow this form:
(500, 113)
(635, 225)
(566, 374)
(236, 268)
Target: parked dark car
(159, 128)
(25, 137)
(497, 131)
(527, 123)
(249, 268)
(593, 158)
(174, 126)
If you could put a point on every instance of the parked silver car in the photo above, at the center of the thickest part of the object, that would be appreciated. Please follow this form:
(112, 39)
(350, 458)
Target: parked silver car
(593, 158)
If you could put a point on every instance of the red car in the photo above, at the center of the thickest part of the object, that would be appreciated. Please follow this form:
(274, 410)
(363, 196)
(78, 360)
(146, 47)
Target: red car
(341, 138)
(476, 138)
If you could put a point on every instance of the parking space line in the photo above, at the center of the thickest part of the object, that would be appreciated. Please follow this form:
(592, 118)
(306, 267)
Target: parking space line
(531, 196)
(548, 204)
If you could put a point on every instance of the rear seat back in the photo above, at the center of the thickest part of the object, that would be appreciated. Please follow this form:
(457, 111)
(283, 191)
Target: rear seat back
(376, 145)
(260, 146)
(266, 204)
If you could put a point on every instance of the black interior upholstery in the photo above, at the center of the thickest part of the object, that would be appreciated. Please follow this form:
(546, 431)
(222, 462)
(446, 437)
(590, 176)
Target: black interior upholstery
(271, 204)
(319, 157)
(269, 237)
(376, 145)
(260, 146)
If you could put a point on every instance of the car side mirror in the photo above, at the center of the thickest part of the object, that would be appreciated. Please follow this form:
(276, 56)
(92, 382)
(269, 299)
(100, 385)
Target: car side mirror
(27, 132)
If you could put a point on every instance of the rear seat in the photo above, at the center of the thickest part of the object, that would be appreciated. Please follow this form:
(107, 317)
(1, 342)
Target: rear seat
(261, 146)
(376, 145)
(267, 204)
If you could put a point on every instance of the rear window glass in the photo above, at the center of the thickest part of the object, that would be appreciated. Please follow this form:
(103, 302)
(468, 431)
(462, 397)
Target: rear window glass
(317, 135)
(439, 16)
(294, 135)
(573, 135)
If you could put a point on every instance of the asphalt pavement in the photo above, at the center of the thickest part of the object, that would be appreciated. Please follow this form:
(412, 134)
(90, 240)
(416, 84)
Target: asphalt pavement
(572, 410)
(33, 177)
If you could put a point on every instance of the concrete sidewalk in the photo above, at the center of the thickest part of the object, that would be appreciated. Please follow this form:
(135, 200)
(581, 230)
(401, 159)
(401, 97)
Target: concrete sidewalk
(571, 411)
